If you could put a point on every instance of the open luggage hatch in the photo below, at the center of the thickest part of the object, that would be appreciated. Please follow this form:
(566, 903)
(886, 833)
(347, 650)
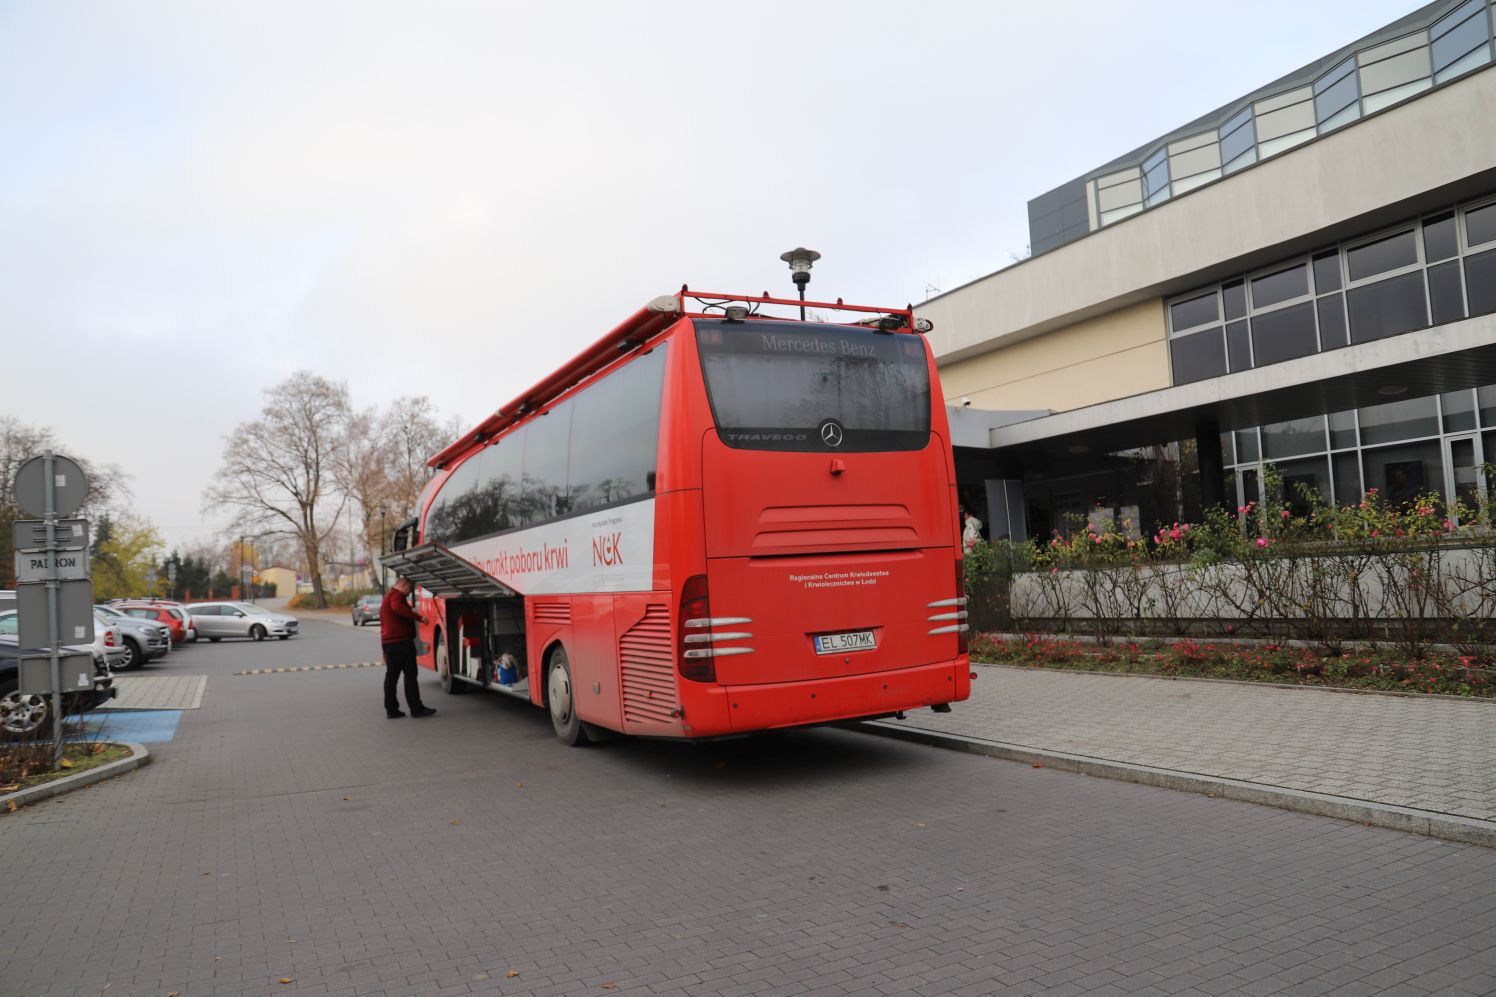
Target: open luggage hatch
(443, 573)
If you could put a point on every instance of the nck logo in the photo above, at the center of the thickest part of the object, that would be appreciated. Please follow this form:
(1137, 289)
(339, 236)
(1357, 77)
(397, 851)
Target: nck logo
(606, 550)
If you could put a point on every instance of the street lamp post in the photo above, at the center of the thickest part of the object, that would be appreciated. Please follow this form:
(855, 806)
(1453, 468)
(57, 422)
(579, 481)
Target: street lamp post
(383, 546)
(800, 260)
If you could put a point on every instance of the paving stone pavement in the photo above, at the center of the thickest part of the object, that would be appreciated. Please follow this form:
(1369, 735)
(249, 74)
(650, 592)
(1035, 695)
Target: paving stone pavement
(290, 831)
(158, 692)
(1425, 752)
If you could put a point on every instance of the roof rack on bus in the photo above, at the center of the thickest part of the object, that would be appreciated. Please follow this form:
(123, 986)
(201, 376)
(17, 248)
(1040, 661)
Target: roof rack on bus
(648, 322)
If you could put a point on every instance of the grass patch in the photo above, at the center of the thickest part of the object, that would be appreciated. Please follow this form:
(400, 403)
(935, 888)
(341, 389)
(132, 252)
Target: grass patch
(26, 765)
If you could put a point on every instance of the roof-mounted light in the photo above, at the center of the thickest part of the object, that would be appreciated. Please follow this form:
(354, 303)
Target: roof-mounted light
(736, 313)
(667, 304)
(923, 325)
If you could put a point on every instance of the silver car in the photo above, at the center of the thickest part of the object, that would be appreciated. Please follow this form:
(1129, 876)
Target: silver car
(217, 620)
(108, 644)
(144, 640)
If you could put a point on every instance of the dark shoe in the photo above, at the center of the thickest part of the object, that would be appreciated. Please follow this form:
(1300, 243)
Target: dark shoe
(393, 716)
(422, 711)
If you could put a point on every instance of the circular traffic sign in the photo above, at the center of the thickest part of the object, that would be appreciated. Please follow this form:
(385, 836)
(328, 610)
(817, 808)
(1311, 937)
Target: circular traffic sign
(70, 487)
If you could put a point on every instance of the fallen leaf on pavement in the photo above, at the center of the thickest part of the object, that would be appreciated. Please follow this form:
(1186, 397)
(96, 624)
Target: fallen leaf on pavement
(173, 993)
(960, 889)
(347, 797)
(287, 979)
(922, 824)
(512, 973)
(1038, 765)
(610, 985)
(519, 785)
(456, 822)
(10, 805)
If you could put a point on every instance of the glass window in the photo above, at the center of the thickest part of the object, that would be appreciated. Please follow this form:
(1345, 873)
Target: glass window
(1445, 293)
(1245, 159)
(1456, 17)
(1293, 438)
(493, 505)
(1327, 271)
(1238, 346)
(1403, 420)
(1283, 334)
(615, 425)
(1479, 57)
(1198, 356)
(1342, 430)
(1234, 298)
(1387, 308)
(775, 386)
(1345, 116)
(1277, 145)
(1347, 468)
(1480, 225)
(1405, 473)
(1336, 99)
(1288, 121)
(1391, 252)
(449, 513)
(1480, 280)
(1228, 452)
(1440, 239)
(1284, 285)
(1387, 98)
(543, 492)
(1192, 312)
(1459, 411)
(1395, 72)
(1461, 40)
(1332, 334)
(1303, 481)
(1239, 139)
(1246, 446)
(1486, 397)
(1335, 75)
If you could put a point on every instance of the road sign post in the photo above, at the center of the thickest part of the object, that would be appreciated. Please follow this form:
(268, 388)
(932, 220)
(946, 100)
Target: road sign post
(51, 487)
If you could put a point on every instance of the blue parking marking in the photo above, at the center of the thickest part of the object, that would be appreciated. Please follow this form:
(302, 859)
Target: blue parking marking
(140, 726)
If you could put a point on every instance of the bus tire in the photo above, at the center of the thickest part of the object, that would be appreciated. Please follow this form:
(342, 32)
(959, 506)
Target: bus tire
(560, 699)
(451, 686)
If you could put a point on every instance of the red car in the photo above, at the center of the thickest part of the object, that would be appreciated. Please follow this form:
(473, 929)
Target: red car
(173, 614)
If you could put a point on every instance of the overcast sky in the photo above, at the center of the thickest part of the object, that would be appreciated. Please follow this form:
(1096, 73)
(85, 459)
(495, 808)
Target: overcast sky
(449, 199)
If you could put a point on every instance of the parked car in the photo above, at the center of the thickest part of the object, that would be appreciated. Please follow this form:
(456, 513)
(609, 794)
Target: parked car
(145, 640)
(28, 716)
(174, 615)
(217, 620)
(108, 643)
(366, 610)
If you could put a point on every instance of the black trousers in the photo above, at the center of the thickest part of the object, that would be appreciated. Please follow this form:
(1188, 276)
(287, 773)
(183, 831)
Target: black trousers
(400, 659)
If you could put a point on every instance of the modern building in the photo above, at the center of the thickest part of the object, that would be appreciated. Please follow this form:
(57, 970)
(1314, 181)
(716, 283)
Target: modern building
(1305, 277)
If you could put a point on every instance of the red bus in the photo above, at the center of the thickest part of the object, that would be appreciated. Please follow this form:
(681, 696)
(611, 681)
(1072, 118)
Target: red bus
(711, 522)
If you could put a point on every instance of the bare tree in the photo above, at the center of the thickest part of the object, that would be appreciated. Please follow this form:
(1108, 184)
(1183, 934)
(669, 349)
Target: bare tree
(363, 475)
(19, 442)
(279, 471)
(411, 433)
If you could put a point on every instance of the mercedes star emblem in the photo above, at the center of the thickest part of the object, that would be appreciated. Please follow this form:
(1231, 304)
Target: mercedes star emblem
(831, 433)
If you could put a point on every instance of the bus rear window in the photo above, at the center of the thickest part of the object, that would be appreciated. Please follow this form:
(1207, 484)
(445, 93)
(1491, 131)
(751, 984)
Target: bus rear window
(824, 389)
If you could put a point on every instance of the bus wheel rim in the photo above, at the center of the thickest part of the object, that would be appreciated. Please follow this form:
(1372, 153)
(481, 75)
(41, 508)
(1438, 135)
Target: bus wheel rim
(560, 694)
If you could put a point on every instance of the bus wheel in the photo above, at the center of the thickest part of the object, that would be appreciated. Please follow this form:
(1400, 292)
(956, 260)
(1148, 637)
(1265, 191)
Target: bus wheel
(450, 685)
(561, 701)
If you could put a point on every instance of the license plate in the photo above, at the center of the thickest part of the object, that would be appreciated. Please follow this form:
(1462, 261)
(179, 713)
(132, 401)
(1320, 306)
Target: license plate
(856, 640)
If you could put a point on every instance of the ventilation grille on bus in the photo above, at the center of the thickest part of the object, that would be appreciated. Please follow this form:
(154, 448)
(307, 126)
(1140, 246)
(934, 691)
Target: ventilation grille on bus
(553, 613)
(647, 652)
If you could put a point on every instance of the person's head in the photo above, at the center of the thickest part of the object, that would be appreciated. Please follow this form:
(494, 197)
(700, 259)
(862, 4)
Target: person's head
(403, 585)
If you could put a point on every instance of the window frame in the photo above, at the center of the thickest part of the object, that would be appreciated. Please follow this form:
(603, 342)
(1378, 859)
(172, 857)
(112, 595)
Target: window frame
(1220, 321)
(1463, 234)
(1413, 227)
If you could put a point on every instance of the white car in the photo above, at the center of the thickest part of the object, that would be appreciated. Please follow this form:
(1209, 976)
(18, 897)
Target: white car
(108, 643)
(217, 620)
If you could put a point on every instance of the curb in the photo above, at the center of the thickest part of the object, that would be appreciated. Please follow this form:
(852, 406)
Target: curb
(22, 797)
(1450, 827)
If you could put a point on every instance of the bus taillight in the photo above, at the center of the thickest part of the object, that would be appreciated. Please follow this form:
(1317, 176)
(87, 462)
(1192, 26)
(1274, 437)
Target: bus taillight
(694, 606)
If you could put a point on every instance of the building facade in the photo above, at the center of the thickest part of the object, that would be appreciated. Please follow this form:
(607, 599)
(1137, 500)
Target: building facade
(1305, 277)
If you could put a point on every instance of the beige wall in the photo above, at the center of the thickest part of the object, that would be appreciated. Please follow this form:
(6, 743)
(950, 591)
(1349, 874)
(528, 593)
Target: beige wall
(1097, 360)
(1250, 218)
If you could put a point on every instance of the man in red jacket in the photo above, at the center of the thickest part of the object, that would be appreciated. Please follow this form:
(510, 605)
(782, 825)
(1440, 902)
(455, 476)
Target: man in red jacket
(397, 633)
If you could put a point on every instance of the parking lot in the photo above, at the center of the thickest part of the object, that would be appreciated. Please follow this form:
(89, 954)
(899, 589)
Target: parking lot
(286, 831)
